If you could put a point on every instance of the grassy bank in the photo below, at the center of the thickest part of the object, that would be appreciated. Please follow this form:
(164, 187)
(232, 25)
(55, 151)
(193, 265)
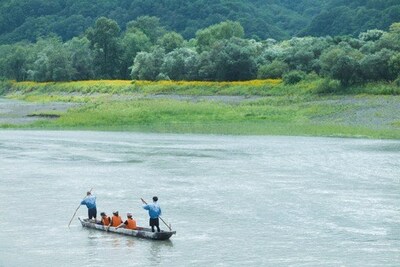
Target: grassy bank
(277, 110)
(255, 87)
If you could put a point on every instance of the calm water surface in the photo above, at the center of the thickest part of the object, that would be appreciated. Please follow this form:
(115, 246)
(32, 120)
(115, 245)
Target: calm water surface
(234, 201)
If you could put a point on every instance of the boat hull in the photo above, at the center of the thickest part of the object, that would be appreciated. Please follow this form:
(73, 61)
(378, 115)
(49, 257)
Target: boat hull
(141, 232)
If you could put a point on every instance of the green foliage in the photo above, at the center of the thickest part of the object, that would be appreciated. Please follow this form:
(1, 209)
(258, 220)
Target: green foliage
(397, 82)
(81, 57)
(132, 43)
(233, 60)
(345, 70)
(5, 86)
(52, 62)
(206, 38)
(150, 26)
(375, 88)
(181, 64)
(293, 77)
(391, 39)
(145, 51)
(104, 41)
(328, 86)
(394, 65)
(30, 19)
(371, 35)
(375, 67)
(339, 17)
(16, 62)
(171, 41)
(272, 71)
(147, 65)
(341, 63)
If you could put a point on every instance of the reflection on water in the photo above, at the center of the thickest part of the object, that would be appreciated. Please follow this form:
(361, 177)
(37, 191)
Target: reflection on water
(234, 201)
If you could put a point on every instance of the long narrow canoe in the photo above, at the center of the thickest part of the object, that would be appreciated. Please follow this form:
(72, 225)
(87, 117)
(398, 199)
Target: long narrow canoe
(140, 232)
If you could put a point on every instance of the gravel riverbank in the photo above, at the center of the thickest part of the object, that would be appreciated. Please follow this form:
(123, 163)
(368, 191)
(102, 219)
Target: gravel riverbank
(19, 112)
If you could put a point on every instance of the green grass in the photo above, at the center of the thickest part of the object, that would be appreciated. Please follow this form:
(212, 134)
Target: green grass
(255, 87)
(276, 116)
(382, 88)
(298, 109)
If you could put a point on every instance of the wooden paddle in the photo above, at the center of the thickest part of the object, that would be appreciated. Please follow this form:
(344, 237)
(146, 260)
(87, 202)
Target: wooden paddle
(77, 209)
(169, 226)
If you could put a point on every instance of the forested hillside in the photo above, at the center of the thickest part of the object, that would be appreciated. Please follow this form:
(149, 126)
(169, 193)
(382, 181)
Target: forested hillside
(261, 19)
(192, 40)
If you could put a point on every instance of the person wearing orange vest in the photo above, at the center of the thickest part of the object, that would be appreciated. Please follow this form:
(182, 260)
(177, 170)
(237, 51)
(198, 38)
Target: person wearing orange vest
(105, 220)
(115, 220)
(130, 223)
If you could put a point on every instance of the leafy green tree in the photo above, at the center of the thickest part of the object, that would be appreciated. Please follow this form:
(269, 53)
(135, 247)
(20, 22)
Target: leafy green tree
(222, 31)
(293, 76)
(395, 28)
(271, 53)
(345, 70)
(234, 60)
(104, 41)
(146, 65)
(181, 64)
(301, 60)
(16, 63)
(274, 70)
(82, 58)
(150, 26)
(394, 65)
(375, 67)
(52, 62)
(132, 43)
(341, 63)
(371, 35)
(391, 39)
(369, 48)
(206, 67)
(171, 41)
(298, 53)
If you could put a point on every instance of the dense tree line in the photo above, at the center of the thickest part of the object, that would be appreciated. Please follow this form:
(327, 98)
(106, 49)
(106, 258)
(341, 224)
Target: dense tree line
(145, 50)
(261, 19)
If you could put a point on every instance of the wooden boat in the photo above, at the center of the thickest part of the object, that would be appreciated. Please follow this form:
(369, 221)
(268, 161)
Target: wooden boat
(141, 232)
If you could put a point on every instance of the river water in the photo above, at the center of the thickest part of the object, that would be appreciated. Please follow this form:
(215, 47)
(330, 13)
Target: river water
(233, 200)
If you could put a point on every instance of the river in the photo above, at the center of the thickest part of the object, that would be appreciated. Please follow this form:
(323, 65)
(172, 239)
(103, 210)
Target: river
(233, 200)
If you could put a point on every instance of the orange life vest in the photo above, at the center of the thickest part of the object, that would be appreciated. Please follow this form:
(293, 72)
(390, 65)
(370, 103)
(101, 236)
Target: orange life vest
(116, 221)
(130, 224)
(105, 221)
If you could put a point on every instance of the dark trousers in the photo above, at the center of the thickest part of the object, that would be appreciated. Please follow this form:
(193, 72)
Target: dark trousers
(92, 213)
(154, 222)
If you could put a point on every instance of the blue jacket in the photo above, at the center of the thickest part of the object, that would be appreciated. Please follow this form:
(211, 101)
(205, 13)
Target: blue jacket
(154, 210)
(90, 202)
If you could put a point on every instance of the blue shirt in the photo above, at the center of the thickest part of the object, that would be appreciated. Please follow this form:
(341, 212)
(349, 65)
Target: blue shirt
(90, 202)
(154, 210)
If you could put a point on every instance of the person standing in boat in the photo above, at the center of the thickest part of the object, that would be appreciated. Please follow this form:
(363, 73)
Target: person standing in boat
(130, 223)
(154, 212)
(90, 202)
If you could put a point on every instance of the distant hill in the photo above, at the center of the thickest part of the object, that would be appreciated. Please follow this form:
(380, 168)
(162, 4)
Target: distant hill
(261, 19)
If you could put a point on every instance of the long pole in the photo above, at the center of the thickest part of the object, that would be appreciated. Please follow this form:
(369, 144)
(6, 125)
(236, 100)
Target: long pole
(169, 227)
(77, 210)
